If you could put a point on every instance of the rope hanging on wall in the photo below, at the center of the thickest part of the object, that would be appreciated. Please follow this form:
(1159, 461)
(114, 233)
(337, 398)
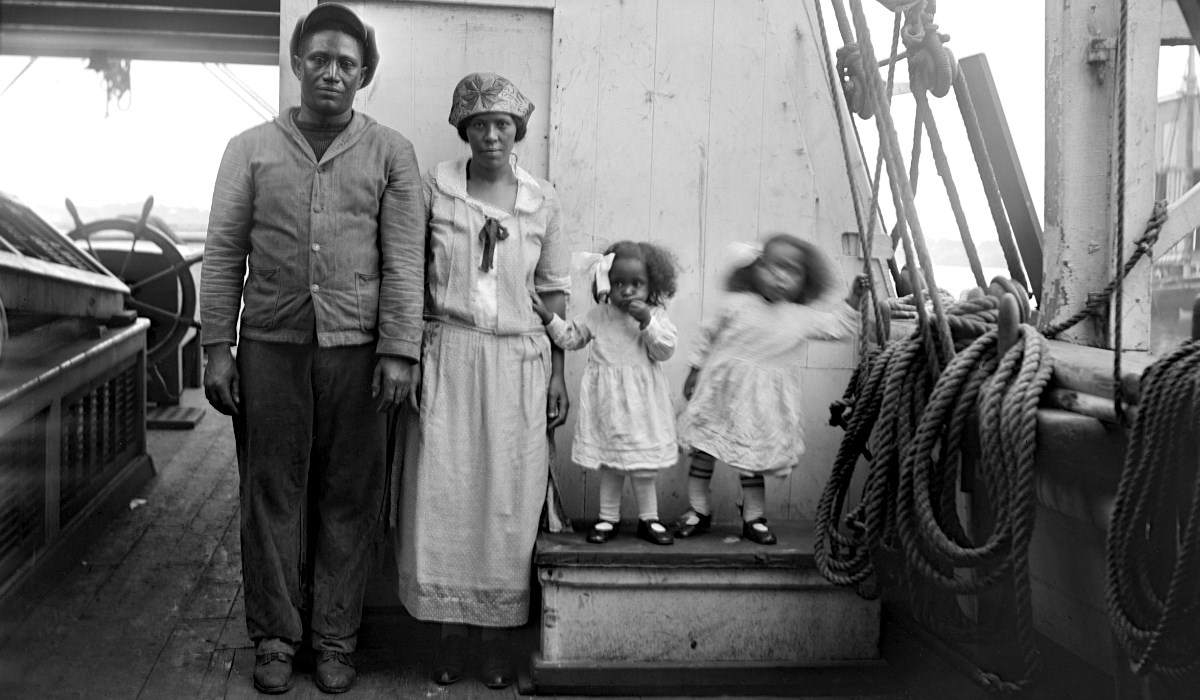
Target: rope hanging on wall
(1153, 554)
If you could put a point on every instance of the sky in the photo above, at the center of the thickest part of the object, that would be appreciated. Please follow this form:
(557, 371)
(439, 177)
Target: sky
(167, 136)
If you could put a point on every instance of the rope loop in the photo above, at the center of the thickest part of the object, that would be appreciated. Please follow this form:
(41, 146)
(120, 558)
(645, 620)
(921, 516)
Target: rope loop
(906, 530)
(1153, 548)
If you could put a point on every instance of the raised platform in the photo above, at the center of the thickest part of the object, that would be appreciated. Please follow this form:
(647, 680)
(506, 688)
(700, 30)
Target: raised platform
(629, 616)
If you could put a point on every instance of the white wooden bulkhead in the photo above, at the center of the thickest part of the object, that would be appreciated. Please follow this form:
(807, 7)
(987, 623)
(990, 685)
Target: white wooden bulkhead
(692, 123)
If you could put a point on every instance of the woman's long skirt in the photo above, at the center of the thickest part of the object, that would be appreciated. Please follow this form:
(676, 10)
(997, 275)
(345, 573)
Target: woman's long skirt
(474, 478)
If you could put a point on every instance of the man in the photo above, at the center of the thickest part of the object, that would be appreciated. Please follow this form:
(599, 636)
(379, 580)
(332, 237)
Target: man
(316, 227)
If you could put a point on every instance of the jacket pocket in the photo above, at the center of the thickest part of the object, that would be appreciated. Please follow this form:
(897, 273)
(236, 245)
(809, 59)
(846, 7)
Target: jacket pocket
(261, 297)
(366, 288)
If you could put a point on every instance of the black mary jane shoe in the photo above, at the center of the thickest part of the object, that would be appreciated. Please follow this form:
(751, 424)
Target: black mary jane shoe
(496, 670)
(450, 662)
(653, 532)
(701, 526)
(756, 531)
(600, 535)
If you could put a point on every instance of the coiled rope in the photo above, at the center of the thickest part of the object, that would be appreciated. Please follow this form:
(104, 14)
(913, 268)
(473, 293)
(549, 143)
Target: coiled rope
(1154, 537)
(906, 527)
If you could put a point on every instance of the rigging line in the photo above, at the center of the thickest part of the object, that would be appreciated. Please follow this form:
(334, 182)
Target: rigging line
(224, 68)
(1118, 296)
(925, 113)
(254, 108)
(242, 85)
(18, 76)
(895, 160)
(866, 230)
(246, 89)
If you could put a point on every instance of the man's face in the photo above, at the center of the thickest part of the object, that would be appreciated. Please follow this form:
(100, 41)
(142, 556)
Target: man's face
(330, 69)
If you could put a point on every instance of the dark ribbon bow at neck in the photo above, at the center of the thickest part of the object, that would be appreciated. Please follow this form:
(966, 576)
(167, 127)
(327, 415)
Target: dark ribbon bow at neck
(491, 232)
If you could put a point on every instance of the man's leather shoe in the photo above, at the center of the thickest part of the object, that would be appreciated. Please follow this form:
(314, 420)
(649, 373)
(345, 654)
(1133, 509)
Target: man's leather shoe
(450, 660)
(653, 532)
(756, 531)
(497, 665)
(273, 672)
(600, 535)
(335, 672)
(688, 529)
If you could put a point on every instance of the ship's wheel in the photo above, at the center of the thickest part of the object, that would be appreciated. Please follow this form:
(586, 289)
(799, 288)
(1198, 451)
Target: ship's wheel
(147, 257)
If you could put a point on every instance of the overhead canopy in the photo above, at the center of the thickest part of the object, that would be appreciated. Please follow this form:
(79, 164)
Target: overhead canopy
(220, 31)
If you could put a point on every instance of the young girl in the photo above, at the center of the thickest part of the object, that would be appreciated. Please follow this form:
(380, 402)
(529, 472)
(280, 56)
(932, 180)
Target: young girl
(744, 390)
(626, 422)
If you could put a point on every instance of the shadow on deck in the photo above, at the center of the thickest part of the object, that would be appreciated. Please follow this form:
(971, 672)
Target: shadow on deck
(150, 606)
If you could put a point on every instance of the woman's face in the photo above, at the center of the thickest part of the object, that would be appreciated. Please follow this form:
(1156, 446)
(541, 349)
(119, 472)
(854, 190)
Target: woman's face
(628, 282)
(491, 136)
(779, 274)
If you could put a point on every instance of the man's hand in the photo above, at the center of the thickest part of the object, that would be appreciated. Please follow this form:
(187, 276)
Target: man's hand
(557, 403)
(221, 385)
(396, 379)
(689, 384)
(639, 310)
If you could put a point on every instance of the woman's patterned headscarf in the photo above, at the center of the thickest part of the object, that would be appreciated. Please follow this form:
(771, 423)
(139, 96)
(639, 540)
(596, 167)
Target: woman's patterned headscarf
(478, 93)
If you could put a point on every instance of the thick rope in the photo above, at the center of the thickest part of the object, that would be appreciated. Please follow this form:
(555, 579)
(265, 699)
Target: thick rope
(925, 114)
(906, 526)
(895, 163)
(1154, 537)
(1118, 297)
(1096, 302)
(866, 229)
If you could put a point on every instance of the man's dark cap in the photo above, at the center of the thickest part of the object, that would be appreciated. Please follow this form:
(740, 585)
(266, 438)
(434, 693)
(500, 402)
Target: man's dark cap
(328, 13)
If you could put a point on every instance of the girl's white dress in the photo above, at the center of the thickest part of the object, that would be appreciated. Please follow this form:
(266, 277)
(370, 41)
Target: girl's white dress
(626, 420)
(747, 409)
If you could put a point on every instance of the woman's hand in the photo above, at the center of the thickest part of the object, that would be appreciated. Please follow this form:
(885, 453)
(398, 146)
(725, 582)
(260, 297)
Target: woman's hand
(639, 310)
(858, 288)
(395, 379)
(557, 402)
(689, 384)
(539, 308)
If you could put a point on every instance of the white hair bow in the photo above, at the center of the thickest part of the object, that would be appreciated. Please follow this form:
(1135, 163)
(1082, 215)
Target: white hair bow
(739, 255)
(596, 266)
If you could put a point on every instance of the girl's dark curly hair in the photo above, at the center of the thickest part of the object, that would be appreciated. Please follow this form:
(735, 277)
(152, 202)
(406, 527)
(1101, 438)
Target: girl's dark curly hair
(661, 269)
(818, 273)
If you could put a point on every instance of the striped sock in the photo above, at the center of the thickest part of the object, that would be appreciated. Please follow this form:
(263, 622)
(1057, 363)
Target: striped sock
(699, 482)
(754, 496)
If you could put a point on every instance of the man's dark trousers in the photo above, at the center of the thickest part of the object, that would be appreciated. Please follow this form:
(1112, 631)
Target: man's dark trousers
(308, 421)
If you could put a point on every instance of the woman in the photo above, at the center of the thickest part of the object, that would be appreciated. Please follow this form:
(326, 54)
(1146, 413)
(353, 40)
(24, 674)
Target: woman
(475, 470)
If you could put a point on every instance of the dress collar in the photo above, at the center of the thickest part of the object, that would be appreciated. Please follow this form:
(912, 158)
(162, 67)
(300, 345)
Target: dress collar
(451, 178)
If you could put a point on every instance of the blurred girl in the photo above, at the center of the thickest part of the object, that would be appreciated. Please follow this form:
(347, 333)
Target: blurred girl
(744, 390)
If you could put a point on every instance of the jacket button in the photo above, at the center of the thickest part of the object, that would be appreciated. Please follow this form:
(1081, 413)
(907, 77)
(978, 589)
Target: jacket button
(315, 288)
(316, 247)
(317, 208)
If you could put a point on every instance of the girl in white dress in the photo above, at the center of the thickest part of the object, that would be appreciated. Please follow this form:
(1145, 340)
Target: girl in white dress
(744, 389)
(626, 420)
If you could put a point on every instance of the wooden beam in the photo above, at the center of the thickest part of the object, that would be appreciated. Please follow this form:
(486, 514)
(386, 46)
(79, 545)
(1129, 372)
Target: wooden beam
(1173, 30)
(1006, 164)
(1081, 139)
(1183, 216)
(150, 46)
